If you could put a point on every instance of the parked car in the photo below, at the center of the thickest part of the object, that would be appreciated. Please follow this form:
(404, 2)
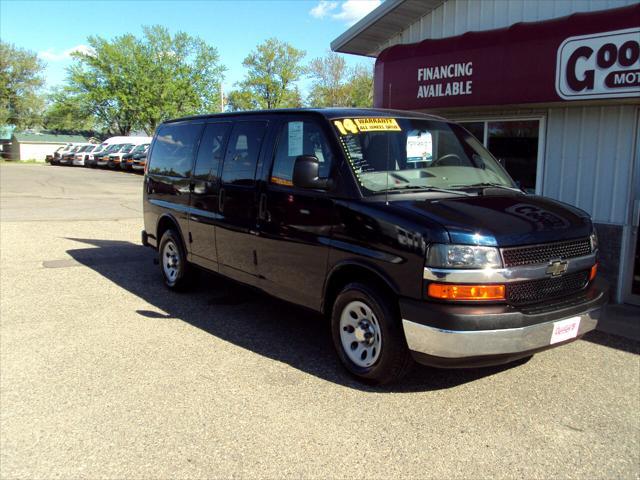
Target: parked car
(115, 157)
(57, 155)
(140, 159)
(443, 261)
(103, 159)
(127, 159)
(92, 159)
(82, 155)
(49, 158)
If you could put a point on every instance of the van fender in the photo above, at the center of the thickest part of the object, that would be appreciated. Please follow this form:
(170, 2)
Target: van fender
(358, 270)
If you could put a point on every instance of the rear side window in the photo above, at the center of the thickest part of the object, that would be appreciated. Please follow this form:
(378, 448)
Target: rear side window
(211, 151)
(174, 149)
(300, 138)
(242, 153)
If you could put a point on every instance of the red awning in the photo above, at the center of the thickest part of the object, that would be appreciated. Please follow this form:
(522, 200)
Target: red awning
(583, 56)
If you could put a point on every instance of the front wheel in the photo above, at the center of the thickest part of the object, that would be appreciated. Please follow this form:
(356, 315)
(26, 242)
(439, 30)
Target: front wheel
(368, 336)
(177, 272)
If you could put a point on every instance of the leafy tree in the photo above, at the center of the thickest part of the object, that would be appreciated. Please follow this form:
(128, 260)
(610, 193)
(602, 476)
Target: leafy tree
(336, 85)
(68, 112)
(360, 87)
(273, 69)
(132, 83)
(20, 82)
(329, 82)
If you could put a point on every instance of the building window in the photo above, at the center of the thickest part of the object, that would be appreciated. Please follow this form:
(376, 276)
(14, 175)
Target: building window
(515, 144)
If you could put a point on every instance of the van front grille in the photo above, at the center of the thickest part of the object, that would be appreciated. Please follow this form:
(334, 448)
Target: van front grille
(546, 252)
(547, 288)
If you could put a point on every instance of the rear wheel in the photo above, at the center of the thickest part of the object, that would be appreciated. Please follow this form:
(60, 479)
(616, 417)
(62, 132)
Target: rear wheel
(367, 334)
(177, 272)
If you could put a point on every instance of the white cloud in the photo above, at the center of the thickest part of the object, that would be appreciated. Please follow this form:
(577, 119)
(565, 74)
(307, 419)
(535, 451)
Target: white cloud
(353, 10)
(323, 8)
(52, 56)
(350, 11)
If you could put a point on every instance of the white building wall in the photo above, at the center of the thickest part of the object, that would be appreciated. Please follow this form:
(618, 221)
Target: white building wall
(37, 151)
(456, 17)
(589, 159)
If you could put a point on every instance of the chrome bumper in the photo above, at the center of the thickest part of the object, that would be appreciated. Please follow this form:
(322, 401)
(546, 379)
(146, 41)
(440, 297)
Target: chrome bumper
(455, 344)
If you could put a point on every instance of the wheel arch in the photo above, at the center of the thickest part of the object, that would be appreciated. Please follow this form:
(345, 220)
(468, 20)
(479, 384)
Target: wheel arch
(354, 271)
(165, 222)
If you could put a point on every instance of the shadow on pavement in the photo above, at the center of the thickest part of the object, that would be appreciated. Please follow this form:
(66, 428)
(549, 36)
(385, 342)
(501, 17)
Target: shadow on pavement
(248, 318)
(613, 341)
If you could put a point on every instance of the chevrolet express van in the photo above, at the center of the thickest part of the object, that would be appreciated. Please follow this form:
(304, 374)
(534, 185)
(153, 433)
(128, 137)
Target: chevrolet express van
(400, 227)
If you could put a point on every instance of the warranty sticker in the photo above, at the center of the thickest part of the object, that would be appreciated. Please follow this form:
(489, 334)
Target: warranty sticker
(377, 124)
(358, 125)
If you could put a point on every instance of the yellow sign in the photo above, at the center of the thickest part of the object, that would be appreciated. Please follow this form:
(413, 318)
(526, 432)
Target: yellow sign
(357, 125)
(377, 124)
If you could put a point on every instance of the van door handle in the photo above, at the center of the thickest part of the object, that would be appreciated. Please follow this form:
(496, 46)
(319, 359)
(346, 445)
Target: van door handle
(221, 200)
(262, 207)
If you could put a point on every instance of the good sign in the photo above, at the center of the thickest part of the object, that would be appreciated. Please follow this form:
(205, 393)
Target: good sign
(604, 65)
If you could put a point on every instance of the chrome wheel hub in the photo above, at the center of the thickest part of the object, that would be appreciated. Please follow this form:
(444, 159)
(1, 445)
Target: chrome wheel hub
(360, 334)
(170, 260)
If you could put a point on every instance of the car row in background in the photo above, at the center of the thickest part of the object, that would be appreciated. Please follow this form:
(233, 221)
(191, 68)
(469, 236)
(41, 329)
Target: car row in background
(123, 153)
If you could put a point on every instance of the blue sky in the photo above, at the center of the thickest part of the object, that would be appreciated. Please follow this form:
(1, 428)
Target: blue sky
(54, 28)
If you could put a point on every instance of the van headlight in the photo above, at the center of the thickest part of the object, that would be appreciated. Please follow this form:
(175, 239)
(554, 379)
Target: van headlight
(442, 255)
(593, 238)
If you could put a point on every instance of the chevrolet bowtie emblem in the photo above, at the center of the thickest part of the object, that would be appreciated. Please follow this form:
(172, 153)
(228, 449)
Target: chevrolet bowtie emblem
(557, 267)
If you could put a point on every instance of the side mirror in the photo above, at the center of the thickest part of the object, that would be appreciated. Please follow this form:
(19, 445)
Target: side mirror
(305, 173)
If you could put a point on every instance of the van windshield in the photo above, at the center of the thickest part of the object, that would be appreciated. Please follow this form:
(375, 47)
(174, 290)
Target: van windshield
(396, 154)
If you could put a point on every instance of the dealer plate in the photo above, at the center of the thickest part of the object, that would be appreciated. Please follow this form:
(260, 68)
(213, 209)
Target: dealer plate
(565, 330)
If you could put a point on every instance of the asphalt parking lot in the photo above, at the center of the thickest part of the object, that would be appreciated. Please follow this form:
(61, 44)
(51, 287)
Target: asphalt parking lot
(106, 374)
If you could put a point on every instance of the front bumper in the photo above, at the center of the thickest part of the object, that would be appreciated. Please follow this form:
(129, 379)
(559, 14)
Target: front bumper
(448, 335)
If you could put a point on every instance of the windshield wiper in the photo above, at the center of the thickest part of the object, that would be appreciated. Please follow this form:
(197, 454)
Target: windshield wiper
(487, 184)
(431, 189)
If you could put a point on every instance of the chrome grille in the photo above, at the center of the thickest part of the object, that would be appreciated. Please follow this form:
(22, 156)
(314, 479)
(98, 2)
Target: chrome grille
(538, 290)
(546, 252)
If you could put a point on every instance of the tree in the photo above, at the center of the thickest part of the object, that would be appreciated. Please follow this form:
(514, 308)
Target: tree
(68, 112)
(360, 87)
(132, 83)
(328, 82)
(336, 85)
(273, 69)
(20, 82)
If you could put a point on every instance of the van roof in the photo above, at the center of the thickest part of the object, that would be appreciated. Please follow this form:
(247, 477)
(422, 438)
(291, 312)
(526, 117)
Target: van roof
(328, 113)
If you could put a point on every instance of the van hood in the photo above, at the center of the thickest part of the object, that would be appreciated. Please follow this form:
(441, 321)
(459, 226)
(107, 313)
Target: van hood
(502, 219)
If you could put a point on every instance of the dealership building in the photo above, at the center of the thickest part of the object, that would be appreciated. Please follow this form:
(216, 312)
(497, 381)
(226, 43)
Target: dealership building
(552, 89)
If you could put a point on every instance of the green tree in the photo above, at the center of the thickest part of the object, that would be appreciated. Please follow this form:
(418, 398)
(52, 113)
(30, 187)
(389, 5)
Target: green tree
(272, 72)
(333, 84)
(328, 82)
(20, 82)
(360, 87)
(131, 83)
(68, 112)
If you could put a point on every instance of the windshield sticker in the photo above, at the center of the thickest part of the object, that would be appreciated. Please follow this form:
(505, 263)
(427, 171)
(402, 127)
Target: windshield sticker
(419, 146)
(377, 124)
(357, 125)
(295, 139)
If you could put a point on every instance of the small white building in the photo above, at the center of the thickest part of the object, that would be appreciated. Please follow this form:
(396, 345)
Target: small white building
(552, 89)
(36, 146)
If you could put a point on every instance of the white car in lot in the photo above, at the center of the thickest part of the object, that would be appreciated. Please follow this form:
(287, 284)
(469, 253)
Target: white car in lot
(82, 155)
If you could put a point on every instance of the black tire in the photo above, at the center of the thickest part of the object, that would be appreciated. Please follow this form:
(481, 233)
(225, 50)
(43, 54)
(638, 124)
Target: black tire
(394, 360)
(185, 273)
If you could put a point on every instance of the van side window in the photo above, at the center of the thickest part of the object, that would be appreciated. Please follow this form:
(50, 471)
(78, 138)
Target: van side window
(211, 151)
(174, 149)
(242, 153)
(300, 138)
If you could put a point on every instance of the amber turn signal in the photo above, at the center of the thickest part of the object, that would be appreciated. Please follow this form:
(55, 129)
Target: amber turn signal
(593, 272)
(448, 291)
